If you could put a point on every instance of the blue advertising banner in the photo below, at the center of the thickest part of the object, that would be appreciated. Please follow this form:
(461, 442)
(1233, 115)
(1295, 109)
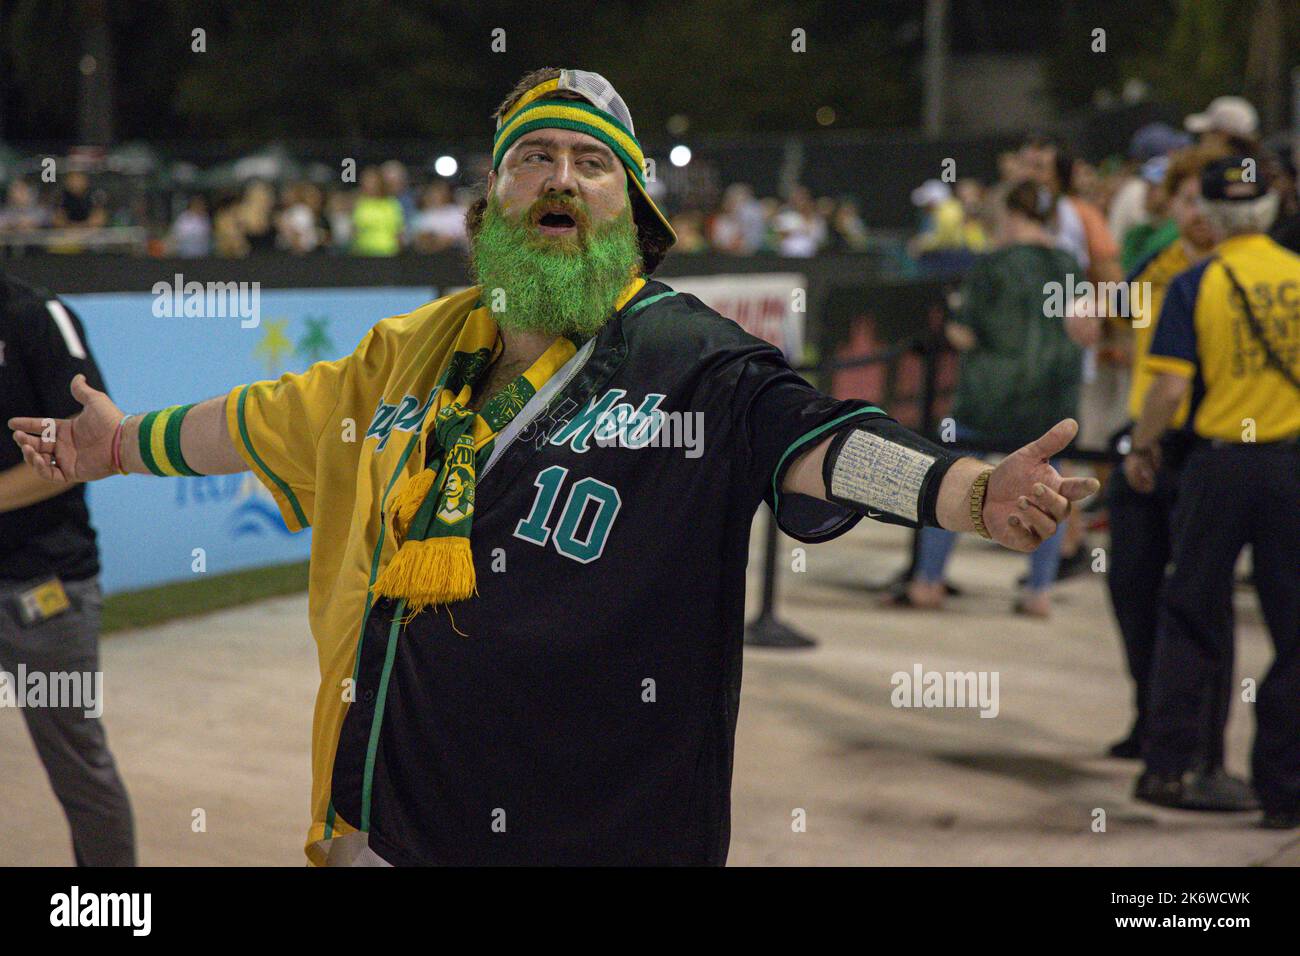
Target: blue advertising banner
(168, 347)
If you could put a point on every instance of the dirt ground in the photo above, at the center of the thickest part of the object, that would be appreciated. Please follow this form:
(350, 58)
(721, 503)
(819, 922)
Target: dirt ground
(214, 713)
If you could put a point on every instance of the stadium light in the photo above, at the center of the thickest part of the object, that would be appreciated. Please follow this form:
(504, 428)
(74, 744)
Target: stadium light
(445, 166)
(680, 155)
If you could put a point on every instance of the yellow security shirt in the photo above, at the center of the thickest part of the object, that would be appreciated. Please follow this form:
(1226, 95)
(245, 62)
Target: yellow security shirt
(1203, 335)
(1157, 272)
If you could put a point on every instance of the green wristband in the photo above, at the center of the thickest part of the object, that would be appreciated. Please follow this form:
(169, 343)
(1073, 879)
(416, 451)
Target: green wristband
(160, 442)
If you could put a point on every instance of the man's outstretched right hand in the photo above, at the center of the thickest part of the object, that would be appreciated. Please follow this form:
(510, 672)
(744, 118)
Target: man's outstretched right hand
(81, 448)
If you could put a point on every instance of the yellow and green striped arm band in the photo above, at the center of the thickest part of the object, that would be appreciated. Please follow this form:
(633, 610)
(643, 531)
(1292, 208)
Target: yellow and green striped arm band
(160, 442)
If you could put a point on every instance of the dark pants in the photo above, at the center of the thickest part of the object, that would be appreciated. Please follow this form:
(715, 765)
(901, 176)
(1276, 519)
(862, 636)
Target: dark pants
(1141, 544)
(1230, 496)
(72, 746)
(1139, 550)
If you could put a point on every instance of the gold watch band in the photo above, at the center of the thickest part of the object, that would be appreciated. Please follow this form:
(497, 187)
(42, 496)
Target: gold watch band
(978, 489)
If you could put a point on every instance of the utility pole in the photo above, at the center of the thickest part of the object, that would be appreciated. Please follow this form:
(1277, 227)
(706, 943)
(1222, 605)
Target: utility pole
(934, 67)
(4, 69)
(95, 90)
(1266, 65)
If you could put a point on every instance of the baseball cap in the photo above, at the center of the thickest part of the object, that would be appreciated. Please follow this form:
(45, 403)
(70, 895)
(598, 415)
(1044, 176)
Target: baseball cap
(604, 116)
(1154, 169)
(1226, 114)
(930, 192)
(1156, 139)
(1225, 180)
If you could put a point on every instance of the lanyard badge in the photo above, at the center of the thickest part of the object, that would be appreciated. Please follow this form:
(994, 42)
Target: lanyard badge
(42, 602)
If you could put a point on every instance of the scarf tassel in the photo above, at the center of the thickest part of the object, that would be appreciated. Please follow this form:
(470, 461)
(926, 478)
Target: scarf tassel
(409, 499)
(428, 572)
(438, 569)
(425, 571)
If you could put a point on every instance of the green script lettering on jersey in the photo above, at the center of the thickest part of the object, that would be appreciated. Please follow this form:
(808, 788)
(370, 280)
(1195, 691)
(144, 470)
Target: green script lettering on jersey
(405, 416)
(607, 422)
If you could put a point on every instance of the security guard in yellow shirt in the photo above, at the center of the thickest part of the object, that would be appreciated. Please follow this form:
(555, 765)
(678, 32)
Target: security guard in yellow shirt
(1228, 334)
(1141, 530)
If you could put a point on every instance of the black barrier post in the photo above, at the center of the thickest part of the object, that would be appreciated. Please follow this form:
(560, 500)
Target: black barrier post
(765, 630)
(929, 389)
(931, 349)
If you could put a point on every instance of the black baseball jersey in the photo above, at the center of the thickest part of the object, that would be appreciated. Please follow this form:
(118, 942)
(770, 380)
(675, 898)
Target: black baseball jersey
(582, 708)
(42, 348)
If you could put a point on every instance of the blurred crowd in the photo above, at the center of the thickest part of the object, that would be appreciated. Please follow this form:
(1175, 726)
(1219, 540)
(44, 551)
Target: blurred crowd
(1187, 371)
(801, 226)
(383, 214)
(1109, 216)
(1109, 213)
(1054, 220)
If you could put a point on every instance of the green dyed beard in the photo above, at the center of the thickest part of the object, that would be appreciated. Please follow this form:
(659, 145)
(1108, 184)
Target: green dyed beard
(553, 286)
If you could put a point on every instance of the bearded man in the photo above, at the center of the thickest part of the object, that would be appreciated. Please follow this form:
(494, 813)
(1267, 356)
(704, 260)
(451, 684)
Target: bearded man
(528, 613)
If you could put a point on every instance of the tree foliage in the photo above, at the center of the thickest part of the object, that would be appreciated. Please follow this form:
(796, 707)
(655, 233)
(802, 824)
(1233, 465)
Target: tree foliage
(391, 69)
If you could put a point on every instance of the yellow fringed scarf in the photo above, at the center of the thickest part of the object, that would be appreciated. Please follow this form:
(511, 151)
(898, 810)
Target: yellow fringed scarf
(433, 514)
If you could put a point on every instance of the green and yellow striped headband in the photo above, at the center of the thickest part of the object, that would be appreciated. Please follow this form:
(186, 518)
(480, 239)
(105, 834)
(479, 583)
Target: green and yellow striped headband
(601, 114)
(570, 114)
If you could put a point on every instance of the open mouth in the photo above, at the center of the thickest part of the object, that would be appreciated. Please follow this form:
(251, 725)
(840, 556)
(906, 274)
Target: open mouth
(555, 223)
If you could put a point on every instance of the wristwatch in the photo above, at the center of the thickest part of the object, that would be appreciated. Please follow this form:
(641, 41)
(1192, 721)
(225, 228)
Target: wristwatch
(978, 489)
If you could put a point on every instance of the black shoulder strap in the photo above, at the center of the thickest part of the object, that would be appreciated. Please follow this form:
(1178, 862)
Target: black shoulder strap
(1271, 358)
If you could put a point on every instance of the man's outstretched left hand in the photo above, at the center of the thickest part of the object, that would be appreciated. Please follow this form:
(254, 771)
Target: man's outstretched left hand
(1027, 497)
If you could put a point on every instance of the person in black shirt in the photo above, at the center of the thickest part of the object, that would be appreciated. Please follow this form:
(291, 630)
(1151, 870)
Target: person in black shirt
(50, 599)
(77, 206)
(1286, 228)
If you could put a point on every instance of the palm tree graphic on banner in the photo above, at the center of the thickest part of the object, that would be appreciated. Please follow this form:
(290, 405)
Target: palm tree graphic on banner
(275, 344)
(315, 343)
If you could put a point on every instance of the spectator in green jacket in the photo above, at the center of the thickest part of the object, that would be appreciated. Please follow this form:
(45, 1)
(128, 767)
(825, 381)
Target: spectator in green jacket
(1019, 370)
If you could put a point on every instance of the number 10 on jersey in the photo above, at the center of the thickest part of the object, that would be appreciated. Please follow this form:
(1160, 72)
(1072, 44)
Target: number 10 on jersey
(537, 527)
